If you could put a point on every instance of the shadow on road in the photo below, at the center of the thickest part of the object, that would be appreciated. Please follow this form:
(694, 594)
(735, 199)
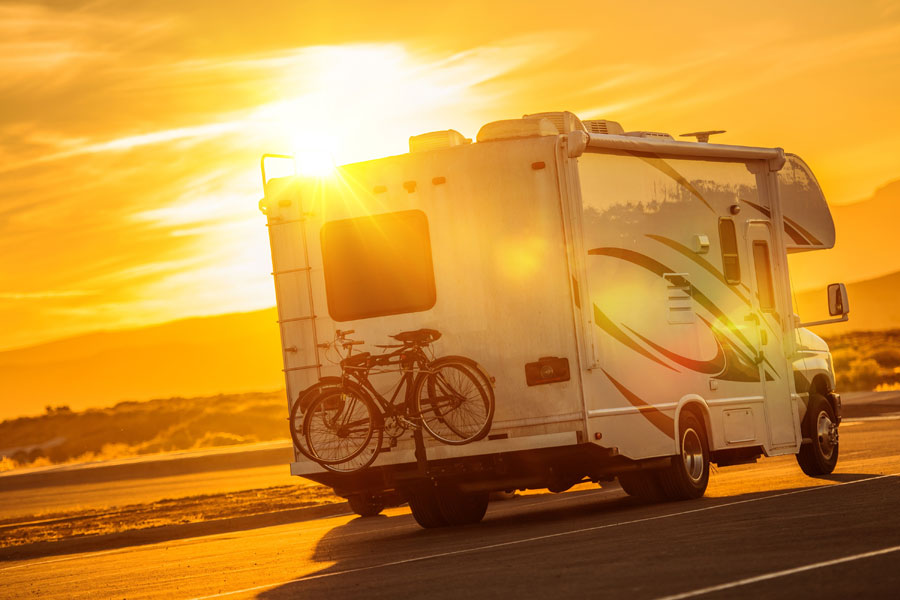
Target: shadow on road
(392, 557)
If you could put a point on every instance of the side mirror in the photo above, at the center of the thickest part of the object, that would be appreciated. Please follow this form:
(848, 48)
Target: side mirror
(838, 306)
(838, 303)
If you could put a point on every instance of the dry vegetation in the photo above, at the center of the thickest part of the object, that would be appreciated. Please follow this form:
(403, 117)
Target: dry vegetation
(55, 527)
(866, 360)
(135, 428)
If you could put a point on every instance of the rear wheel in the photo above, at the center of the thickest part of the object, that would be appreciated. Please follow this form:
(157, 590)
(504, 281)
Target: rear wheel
(688, 475)
(454, 402)
(820, 455)
(460, 508)
(339, 426)
(425, 510)
(643, 485)
(366, 505)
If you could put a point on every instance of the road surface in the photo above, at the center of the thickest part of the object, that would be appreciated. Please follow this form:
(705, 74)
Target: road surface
(763, 530)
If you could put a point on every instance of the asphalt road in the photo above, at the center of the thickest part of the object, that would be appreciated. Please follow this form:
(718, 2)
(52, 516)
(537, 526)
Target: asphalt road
(764, 530)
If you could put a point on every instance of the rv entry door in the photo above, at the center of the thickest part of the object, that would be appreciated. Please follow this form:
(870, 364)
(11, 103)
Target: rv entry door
(767, 318)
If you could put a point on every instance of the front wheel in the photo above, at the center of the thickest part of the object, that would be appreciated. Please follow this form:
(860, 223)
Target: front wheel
(454, 401)
(687, 476)
(340, 427)
(820, 455)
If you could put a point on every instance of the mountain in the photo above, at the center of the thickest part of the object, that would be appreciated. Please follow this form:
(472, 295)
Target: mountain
(873, 306)
(865, 247)
(232, 353)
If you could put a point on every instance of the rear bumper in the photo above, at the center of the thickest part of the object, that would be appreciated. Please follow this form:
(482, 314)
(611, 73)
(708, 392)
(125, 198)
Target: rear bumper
(554, 461)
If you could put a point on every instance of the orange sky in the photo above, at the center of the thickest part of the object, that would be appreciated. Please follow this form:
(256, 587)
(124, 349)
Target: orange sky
(130, 132)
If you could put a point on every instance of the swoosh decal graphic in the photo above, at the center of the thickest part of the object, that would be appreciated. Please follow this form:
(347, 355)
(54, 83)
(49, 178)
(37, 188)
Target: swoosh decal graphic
(788, 224)
(709, 367)
(656, 417)
(609, 327)
(684, 250)
(664, 167)
(738, 365)
(654, 266)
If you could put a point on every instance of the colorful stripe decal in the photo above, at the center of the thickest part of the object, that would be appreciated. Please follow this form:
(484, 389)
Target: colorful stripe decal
(657, 163)
(713, 366)
(657, 418)
(609, 327)
(790, 227)
(660, 269)
(708, 266)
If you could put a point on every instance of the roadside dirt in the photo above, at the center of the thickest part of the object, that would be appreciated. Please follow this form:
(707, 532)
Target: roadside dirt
(194, 509)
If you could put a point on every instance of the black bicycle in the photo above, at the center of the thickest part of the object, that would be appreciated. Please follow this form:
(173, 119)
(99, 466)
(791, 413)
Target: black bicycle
(346, 419)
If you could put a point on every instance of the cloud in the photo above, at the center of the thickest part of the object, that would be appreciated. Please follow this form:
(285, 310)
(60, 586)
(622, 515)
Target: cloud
(48, 294)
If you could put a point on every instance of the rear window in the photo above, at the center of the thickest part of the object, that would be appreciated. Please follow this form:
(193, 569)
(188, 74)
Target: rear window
(377, 266)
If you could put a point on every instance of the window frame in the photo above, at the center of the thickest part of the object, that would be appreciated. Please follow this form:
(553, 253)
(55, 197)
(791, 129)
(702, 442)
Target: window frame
(732, 233)
(771, 305)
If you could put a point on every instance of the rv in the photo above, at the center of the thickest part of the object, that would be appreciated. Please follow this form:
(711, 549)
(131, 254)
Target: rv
(626, 295)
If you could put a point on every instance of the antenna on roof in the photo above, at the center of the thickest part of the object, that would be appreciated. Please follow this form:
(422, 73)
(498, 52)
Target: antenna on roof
(703, 136)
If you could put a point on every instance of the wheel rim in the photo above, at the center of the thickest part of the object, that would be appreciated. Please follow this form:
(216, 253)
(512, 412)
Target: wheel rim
(692, 455)
(825, 431)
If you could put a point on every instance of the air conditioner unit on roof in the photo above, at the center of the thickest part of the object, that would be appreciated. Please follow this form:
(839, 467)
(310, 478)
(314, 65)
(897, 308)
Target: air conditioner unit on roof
(603, 126)
(564, 121)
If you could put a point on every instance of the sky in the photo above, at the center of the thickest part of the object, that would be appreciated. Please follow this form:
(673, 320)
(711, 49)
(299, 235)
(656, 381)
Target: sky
(130, 132)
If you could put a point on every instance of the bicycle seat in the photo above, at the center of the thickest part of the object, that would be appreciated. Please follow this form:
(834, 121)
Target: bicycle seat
(419, 336)
(357, 360)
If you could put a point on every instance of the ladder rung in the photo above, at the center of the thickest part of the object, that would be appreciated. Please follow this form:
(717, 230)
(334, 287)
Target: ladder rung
(297, 270)
(302, 368)
(309, 318)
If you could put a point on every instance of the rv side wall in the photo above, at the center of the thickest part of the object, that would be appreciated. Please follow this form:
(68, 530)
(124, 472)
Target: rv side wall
(686, 304)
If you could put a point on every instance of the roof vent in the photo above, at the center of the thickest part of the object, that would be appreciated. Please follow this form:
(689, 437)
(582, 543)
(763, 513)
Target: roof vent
(516, 128)
(564, 121)
(604, 127)
(437, 139)
(656, 135)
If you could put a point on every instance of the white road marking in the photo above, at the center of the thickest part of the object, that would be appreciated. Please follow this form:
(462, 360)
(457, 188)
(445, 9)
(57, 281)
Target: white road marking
(531, 539)
(861, 420)
(776, 574)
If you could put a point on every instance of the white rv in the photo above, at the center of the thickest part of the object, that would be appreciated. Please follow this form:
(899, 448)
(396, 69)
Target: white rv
(628, 294)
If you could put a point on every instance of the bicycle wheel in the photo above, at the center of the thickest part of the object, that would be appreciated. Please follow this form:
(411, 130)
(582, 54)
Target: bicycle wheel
(453, 403)
(482, 375)
(304, 399)
(339, 425)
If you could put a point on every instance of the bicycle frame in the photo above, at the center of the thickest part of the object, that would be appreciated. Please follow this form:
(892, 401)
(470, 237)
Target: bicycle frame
(409, 366)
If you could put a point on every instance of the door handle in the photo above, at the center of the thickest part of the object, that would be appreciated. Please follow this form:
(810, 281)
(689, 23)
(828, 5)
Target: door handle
(752, 317)
(763, 337)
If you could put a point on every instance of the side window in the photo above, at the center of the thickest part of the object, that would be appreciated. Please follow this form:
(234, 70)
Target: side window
(763, 275)
(731, 266)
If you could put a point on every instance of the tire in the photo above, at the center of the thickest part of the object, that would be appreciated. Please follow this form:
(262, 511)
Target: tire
(459, 508)
(642, 485)
(425, 510)
(688, 475)
(304, 399)
(820, 456)
(366, 505)
(453, 402)
(339, 426)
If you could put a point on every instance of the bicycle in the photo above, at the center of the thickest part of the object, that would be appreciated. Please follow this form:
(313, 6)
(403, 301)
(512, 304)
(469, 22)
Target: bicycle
(450, 397)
